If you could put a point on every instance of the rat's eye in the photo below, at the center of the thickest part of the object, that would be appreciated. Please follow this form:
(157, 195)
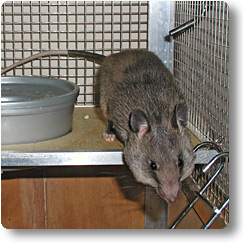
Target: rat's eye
(180, 162)
(153, 165)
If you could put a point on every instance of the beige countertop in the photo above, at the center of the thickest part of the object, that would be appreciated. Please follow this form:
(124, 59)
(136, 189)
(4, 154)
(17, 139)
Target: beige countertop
(88, 127)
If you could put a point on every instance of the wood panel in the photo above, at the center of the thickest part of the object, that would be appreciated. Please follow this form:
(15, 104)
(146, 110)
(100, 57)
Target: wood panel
(197, 217)
(191, 220)
(72, 198)
(94, 197)
(90, 203)
(22, 203)
(206, 212)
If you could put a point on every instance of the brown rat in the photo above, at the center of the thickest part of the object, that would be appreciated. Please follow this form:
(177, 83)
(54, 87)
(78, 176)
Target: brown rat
(147, 112)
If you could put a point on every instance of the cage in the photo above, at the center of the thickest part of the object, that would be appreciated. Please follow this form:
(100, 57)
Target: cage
(201, 66)
(198, 57)
(101, 27)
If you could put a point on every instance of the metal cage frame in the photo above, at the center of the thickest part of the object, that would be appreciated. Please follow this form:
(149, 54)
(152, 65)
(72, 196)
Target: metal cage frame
(198, 56)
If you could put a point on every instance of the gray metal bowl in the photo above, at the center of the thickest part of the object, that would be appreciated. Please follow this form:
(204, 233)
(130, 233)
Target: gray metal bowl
(35, 109)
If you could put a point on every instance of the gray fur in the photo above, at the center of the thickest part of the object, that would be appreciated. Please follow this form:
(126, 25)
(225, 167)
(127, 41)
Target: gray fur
(137, 81)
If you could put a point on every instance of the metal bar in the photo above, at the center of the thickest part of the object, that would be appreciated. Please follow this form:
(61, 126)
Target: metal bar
(185, 26)
(207, 144)
(139, 22)
(72, 158)
(59, 158)
(181, 28)
(121, 27)
(206, 200)
(217, 213)
(130, 24)
(218, 156)
(156, 210)
(161, 19)
(183, 214)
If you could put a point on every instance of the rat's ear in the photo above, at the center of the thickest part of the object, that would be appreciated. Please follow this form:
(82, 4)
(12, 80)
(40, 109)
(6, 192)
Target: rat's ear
(138, 122)
(179, 119)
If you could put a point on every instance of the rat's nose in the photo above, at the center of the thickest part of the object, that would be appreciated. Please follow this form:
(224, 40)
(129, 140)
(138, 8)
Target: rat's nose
(169, 194)
(171, 199)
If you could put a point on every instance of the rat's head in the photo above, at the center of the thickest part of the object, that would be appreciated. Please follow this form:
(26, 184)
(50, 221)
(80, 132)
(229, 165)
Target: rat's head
(160, 155)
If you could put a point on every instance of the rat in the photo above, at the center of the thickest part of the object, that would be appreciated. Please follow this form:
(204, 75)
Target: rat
(147, 112)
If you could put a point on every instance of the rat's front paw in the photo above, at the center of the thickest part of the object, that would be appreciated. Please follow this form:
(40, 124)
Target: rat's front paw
(109, 137)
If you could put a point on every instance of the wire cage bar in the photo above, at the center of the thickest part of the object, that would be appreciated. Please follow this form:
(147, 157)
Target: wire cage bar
(103, 27)
(200, 56)
(201, 67)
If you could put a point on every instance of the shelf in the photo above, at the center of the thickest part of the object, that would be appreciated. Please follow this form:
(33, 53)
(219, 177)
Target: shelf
(83, 146)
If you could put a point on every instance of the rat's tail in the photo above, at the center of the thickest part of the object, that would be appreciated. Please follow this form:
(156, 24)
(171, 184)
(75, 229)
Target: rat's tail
(88, 55)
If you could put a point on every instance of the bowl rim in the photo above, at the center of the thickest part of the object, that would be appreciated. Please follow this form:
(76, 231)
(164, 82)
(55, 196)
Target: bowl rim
(50, 101)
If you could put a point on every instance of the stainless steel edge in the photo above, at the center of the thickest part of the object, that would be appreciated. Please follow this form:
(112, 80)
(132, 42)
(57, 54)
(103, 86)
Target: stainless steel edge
(161, 20)
(72, 158)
